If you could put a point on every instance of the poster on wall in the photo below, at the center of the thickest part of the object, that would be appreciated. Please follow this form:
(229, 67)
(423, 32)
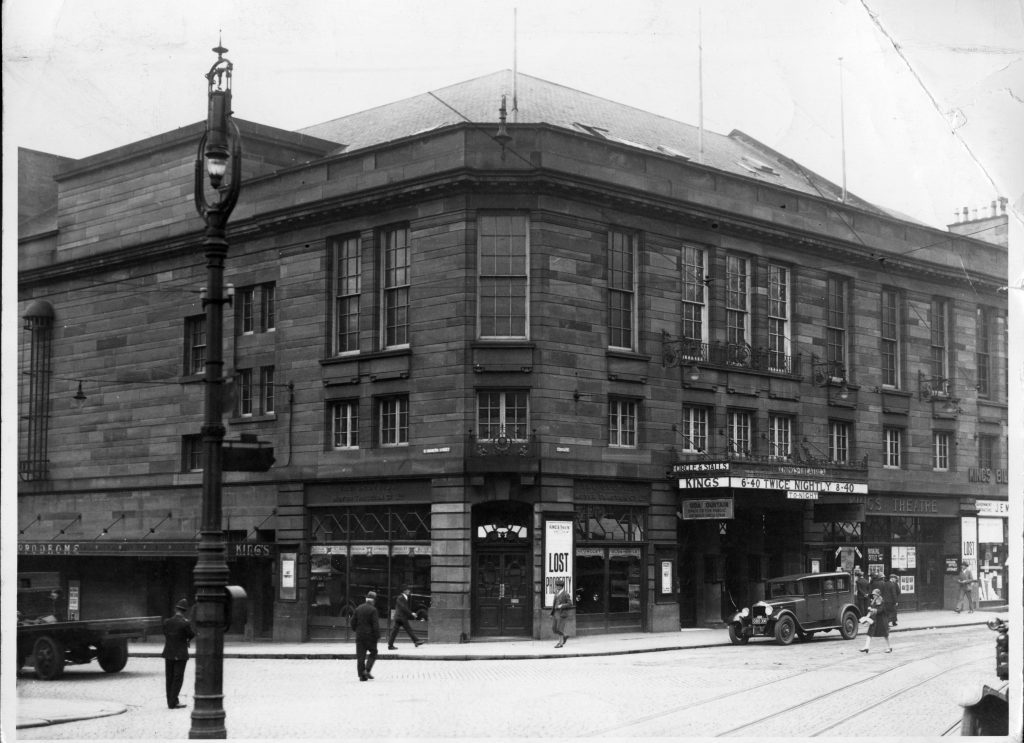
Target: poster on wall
(666, 577)
(287, 576)
(969, 540)
(906, 584)
(558, 563)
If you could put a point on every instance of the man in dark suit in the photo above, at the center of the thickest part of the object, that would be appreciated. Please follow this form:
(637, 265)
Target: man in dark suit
(403, 613)
(366, 625)
(177, 633)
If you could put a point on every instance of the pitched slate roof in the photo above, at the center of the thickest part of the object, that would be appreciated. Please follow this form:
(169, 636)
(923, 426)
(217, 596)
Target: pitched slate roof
(540, 101)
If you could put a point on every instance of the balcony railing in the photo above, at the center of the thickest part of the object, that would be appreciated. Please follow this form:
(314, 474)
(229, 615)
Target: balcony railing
(502, 446)
(687, 351)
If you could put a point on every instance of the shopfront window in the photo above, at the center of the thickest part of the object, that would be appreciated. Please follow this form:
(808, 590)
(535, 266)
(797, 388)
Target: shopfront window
(609, 576)
(992, 553)
(366, 548)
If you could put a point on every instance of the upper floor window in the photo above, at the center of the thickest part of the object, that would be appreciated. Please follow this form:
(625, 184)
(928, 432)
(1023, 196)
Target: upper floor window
(243, 378)
(254, 306)
(268, 306)
(778, 317)
(195, 344)
(267, 389)
(983, 347)
(622, 422)
(346, 260)
(695, 429)
(395, 286)
(737, 299)
(245, 298)
(694, 306)
(938, 320)
(393, 420)
(987, 455)
(503, 275)
(621, 289)
(503, 414)
(780, 436)
(940, 451)
(344, 416)
(192, 453)
(740, 433)
(890, 333)
(892, 443)
(839, 442)
(835, 320)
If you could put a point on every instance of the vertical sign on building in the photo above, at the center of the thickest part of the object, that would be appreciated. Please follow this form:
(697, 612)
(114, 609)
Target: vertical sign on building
(969, 542)
(558, 563)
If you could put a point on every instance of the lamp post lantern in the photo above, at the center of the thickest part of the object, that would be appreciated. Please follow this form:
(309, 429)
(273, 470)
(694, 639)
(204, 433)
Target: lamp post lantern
(219, 155)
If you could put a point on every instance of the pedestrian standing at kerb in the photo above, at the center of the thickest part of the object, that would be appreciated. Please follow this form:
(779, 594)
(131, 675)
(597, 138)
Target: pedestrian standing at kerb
(177, 633)
(366, 624)
(863, 592)
(891, 593)
(403, 613)
(560, 611)
(966, 581)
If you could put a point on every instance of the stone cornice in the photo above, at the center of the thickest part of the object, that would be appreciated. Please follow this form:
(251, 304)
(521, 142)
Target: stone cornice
(533, 182)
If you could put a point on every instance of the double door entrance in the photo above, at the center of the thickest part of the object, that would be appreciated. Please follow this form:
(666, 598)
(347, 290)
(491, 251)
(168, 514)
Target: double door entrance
(502, 591)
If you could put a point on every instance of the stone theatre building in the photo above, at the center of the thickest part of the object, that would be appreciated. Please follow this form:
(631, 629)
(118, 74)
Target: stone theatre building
(588, 351)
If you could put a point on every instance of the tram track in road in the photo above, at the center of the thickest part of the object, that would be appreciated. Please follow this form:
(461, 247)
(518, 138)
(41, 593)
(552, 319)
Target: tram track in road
(843, 689)
(868, 709)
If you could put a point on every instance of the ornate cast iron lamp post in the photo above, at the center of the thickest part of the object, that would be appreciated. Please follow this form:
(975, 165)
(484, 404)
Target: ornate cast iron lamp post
(219, 155)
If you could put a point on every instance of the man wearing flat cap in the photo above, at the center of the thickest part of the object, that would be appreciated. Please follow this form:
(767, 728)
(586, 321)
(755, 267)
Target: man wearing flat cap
(177, 633)
(366, 624)
(403, 613)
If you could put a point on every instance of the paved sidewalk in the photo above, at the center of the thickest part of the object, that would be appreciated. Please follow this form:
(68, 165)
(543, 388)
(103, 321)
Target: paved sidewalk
(40, 711)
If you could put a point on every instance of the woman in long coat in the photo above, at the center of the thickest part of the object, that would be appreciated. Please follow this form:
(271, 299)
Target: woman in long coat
(879, 626)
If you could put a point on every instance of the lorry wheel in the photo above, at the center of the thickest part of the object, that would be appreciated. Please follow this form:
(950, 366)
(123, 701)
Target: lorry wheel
(48, 658)
(848, 629)
(113, 657)
(785, 630)
(736, 636)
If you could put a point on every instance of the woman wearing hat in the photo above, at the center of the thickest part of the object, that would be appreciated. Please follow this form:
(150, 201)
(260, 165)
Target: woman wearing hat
(177, 633)
(878, 621)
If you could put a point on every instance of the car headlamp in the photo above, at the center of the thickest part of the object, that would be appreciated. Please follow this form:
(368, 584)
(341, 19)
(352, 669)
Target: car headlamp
(768, 609)
(744, 612)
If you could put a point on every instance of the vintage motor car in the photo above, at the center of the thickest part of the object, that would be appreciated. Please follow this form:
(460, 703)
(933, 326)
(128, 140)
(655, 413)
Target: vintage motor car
(798, 606)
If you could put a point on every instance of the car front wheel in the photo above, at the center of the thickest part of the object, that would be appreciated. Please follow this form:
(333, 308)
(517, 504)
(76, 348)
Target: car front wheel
(785, 630)
(736, 635)
(848, 629)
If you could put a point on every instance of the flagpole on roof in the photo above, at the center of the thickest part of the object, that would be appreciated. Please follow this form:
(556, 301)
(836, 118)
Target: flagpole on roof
(842, 127)
(700, 87)
(515, 63)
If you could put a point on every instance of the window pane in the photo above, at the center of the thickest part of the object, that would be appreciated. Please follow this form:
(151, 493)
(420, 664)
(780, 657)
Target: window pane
(502, 275)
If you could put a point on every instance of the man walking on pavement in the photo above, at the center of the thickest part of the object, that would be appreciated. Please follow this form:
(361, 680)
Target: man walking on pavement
(403, 613)
(177, 633)
(966, 581)
(366, 625)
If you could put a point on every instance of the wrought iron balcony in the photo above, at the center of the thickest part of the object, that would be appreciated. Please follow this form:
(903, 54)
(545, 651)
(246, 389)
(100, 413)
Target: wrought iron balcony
(716, 354)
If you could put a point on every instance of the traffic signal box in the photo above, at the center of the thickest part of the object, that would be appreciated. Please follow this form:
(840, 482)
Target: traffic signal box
(1003, 654)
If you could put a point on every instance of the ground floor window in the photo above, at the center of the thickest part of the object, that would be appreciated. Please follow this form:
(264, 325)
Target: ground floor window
(359, 549)
(992, 553)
